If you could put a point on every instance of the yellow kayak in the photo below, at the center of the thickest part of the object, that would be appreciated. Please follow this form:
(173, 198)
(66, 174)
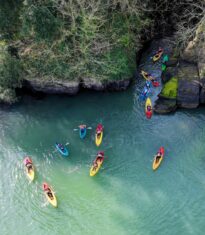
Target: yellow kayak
(99, 160)
(158, 55)
(29, 168)
(99, 135)
(158, 159)
(148, 108)
(147, 76)
(53, 200)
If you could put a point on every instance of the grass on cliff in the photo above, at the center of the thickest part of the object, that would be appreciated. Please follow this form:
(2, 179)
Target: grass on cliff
(76, 39)
(170, 89)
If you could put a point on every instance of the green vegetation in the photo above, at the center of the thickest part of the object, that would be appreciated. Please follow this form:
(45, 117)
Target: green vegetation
(170, 89)
(75, 39)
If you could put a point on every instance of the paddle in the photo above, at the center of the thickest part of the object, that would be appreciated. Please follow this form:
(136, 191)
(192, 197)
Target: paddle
(88, 128)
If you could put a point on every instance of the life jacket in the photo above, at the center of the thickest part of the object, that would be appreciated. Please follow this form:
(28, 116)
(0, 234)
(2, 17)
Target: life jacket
(45, 186)
(99, 128)
(27, 161)
(149, 114)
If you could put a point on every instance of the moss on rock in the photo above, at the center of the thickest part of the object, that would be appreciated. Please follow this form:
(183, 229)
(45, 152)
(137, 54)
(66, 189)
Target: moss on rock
(170, 89)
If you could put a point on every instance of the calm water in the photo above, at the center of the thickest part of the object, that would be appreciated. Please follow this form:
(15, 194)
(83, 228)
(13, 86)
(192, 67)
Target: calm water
(126, 197)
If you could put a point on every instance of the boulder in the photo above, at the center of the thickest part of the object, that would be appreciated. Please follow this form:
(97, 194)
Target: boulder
(164, 106)
(188, 86)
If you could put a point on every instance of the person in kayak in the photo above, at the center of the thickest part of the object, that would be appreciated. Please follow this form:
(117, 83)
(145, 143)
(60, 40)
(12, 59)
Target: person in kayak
(99, 157)
(158, 157)
(99, 130)
(28, 164)
(61, 147)
(48, 191)
(148, 84)
(82, 126)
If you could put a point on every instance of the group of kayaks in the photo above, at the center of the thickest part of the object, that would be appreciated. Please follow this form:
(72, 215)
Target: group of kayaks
(96, 165)
(151, 81)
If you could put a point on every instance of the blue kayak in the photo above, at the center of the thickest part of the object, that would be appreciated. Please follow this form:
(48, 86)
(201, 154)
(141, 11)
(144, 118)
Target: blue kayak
(82, 132)
(63, 150)
(144, 94)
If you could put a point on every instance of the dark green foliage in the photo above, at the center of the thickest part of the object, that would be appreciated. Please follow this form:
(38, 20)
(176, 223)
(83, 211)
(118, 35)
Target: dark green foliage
(10, 22)
(10, 71)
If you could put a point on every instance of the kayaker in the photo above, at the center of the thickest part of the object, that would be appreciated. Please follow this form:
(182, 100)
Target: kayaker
(149, 108)
(148, 85)
(82, 126)
(29, 167)
(28, 164)
(61, 147)
(48, 191)
(158, 156)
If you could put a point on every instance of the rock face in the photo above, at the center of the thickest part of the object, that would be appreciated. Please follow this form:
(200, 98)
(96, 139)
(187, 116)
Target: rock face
(202, 92)
(188, 86)
(51, 87)
(73, 87)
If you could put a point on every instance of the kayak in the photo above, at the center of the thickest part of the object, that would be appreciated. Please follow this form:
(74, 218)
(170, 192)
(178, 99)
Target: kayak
(164, 60)
(147, 76)
(164, 67)
(82, 132)
(158, 55)
(148, 113)
(30, 173)
(155, 83)
(156, 163)
(99, 159)
(144, 94)
(53, 200)
(63, 151)
(99, 134)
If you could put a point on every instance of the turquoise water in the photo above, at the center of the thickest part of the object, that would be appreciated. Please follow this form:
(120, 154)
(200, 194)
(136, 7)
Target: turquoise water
(126, 197)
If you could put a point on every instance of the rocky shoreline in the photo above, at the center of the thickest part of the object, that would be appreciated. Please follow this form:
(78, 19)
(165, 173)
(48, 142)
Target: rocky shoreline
(73, 87)
(191, 86)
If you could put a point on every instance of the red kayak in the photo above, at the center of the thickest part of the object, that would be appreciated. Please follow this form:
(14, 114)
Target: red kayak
(155, 83)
